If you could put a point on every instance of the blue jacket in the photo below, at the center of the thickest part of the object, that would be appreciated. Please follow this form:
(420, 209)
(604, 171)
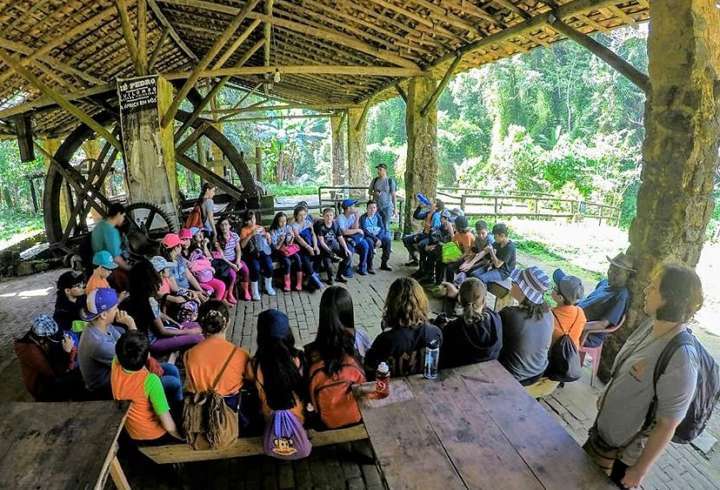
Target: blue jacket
(364, 225)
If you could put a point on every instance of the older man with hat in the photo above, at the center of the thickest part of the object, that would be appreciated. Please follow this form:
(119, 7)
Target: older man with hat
(383, 190)
(607, 304)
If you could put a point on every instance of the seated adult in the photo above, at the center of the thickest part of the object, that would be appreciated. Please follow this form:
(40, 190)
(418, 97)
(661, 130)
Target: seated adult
(278, 368)
(429, 213)
(106, 236)
(69, 300)
(569, 318)
(215, 360)
(97, 343)
(476, 335)
(149, 421)
(165, 334)
(607, 304)
(47, 361)
(502, 257)
(377, 235)
(639, 413)
(334, 367)
(349, 223)
(527, 328)
(406, 331)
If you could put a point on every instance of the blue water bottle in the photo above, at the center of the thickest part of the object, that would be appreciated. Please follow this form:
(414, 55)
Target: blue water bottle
(432, 358)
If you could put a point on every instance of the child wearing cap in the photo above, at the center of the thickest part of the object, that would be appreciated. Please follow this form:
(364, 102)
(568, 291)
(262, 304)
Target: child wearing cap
(104, 266)
(429, 213)
(569, 318)
(255, 245)
(528, 327)
(431, 266)
(377, 235)
(278, 368)
(349, 223)
(69, 300)
(47, 359)
(180, 279)
(149, 419)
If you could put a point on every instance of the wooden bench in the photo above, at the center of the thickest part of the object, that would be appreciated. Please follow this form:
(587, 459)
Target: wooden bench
(246, 446)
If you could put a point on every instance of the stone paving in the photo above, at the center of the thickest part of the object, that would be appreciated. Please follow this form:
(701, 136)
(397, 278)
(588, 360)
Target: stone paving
(348, 466)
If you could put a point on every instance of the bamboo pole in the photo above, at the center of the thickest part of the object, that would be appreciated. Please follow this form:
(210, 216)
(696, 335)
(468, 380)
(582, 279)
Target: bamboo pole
(288, 116)
(267, 31)
(441, 86)
(128, 33)
(157, 49)
(354, 70)
(219, 43)
(173, 33)
(401, 92)
(623, 67)
(142, 36)
(235, 45)
(75, 111)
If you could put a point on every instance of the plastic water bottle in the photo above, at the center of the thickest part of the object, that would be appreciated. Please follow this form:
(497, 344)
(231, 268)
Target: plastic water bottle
(432, 357)
(382, 381)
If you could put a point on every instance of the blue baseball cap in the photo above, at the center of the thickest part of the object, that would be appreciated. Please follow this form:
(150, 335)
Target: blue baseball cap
(104, 259)
(276, 322)
(159, 263)
(348, 202)
(422, 198)
(44, 326)
(99, 301)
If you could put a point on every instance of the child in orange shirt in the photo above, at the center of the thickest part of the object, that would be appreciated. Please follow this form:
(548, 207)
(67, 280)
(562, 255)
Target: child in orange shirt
(104, 266)
(569, 318)
(464, 239)
(149, 420)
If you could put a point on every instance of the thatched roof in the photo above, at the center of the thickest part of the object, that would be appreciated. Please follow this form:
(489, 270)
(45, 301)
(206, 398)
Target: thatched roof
(77, 46)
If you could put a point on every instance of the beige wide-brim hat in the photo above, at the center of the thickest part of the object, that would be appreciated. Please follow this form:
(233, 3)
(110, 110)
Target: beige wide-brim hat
(622, 261)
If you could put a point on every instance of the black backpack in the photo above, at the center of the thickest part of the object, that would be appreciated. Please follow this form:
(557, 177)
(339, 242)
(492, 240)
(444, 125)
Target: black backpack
(707, 391)
(563, 359)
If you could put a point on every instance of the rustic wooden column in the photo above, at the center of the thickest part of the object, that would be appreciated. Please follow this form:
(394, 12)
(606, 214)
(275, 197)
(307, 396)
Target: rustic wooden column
(358, 174)
(421, 165)
(680, 152)
(218, 162)
(338, 149)
(150, 153)
(52, 145)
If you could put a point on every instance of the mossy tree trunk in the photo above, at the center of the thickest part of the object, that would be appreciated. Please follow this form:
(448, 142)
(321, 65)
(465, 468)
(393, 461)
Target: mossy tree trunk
(421, 165)
(358, 174)
(338, 150)
(680, 152)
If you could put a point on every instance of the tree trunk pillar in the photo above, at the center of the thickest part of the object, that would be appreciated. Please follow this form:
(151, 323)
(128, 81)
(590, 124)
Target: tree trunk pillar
(150, 153)
(218, 159)
(338, 150)
(358, 174)
(680, 152)
(52, 145)
(421, 165)
(258, 163)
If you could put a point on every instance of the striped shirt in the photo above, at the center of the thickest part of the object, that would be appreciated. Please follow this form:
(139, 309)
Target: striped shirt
(229, 248)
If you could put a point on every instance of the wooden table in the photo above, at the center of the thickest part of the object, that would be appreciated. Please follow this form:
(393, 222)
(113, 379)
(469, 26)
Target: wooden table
(60, 445)
(473, 427)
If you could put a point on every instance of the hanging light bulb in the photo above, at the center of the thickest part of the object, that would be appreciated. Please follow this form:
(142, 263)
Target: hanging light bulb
(276, 77)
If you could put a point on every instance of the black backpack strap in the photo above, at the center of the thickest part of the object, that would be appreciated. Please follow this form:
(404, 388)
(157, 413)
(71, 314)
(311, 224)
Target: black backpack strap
(684, 338)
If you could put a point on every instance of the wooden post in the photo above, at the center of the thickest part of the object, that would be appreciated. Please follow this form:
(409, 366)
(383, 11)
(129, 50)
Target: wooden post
(358, 174)
(421, 164)
(258, 163)
(150, 153)
(52, 145)
(218, 163)
(680, 152)
(338, 149)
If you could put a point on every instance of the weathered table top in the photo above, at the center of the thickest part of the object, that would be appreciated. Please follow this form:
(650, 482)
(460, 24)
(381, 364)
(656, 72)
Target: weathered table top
(473, 427)
(58, 445)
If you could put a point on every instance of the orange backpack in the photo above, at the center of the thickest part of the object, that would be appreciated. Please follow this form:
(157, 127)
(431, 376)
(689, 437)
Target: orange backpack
(332, 396)
(195, 218)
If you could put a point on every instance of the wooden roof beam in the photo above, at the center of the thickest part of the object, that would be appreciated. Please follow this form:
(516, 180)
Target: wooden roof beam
(162, 20)
(219, 43)
(626, 69)
(236, 44)
(354, 70)
(45, 90)
(445, 15)
(128, 34)
(158, 47)
(267, 31)
(142, 36)
(409, 14)
(326, 34)
(441, 86)
(272, 118)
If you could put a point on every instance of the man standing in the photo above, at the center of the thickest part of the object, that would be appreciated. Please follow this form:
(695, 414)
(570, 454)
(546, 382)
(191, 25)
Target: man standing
(383, 190)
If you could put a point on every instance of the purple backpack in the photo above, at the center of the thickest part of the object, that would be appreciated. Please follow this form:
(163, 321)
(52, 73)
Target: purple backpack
(285, 437)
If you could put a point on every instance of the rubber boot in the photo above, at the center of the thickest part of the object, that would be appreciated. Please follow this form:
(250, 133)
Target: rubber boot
(255, 291)
(268, 286)
(246, 291)
(287, 287)
(299, 279)
(230, 296)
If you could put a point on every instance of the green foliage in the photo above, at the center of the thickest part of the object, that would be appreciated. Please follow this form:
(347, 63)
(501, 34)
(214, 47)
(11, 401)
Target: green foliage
(15, 222)
(291, 189)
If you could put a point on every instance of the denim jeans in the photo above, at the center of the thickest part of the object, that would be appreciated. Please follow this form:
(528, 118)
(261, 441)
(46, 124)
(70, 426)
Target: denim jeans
(172, 384)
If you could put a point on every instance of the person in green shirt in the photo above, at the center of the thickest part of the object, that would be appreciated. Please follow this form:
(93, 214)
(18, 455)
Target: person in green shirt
(106, 235)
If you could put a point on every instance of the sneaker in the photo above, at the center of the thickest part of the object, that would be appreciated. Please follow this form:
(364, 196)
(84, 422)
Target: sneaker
(362, 273)
(412, 263)
(385, 267)
(371, 271)
(340, 278)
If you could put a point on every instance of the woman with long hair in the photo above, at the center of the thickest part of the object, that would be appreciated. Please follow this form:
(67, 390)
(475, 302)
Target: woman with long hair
(304, 232)
(143, 305)
(474, 336)
(207, 207)
(255, 244)
(286, 251)
(227, 248)
(527, 328)
(278, 368)
(407, 332)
